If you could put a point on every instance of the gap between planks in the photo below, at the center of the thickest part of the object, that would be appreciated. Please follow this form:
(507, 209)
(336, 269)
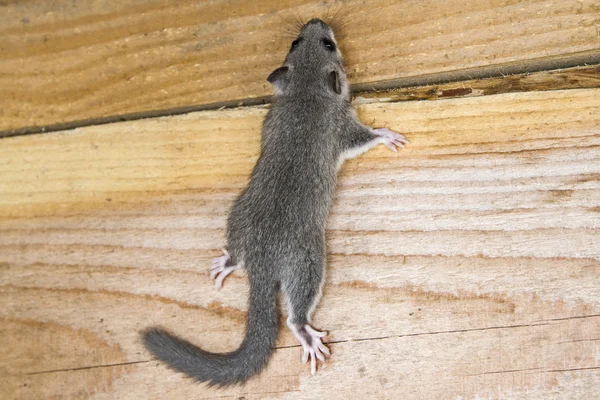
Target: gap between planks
(553, 73)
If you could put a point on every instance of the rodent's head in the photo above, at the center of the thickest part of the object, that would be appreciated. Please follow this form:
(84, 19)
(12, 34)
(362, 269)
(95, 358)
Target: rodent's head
(313, 63)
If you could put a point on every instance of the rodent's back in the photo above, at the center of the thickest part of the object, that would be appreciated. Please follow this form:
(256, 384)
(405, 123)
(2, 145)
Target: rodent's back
(292, 184)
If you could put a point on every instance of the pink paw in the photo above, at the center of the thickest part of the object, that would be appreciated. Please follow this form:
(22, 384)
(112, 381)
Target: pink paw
(390, 138)
(220, 270)
(313, 347)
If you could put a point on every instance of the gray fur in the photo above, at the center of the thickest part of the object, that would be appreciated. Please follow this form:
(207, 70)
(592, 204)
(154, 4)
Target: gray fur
(276, 227)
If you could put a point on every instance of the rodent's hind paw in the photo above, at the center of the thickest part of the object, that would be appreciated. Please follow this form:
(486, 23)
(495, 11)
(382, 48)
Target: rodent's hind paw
(390, 138)
(220, 270)
(313, 347)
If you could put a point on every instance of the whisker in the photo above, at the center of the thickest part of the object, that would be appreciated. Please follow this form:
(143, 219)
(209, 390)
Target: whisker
(340, 18)
(291, 21)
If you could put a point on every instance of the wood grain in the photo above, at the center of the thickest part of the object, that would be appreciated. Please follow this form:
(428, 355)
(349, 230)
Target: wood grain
(467, 265)
(65, 62)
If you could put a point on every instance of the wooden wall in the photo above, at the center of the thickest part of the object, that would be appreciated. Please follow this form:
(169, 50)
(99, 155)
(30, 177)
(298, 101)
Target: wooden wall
(466, 266)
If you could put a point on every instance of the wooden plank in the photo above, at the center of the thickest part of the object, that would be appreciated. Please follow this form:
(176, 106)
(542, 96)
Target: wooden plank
(68, 63)
(467, 265)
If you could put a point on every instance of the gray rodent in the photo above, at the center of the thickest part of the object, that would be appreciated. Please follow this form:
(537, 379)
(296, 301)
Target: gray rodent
(276, 227)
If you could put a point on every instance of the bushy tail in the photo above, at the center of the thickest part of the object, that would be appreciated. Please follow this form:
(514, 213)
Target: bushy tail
(226, 368)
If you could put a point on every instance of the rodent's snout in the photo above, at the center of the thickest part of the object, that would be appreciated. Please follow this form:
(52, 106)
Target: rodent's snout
(317, 21)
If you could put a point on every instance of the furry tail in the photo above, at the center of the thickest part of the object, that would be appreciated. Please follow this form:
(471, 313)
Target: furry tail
(226, 368)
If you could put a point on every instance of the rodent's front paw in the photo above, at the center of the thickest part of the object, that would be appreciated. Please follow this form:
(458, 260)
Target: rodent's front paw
(390, 138)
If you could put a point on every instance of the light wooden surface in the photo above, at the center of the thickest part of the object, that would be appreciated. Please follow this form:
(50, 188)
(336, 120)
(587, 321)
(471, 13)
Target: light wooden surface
(68, 61)
(467, 266)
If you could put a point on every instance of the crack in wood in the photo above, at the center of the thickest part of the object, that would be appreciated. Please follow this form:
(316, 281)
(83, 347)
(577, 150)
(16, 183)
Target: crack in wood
(576, 317)
(50, 371)
(295, 346)
(578, 341)
(453, 331)
(538, 370)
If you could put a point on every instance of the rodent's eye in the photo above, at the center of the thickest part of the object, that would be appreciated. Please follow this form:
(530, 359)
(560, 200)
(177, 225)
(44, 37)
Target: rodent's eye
(295, 44)
(328, 43)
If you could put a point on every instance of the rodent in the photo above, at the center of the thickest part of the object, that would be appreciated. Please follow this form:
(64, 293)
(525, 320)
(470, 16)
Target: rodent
(276, 227)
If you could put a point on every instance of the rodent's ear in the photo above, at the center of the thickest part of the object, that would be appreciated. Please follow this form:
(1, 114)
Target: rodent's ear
(279, 79)
(334, 82)
(277, 75)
